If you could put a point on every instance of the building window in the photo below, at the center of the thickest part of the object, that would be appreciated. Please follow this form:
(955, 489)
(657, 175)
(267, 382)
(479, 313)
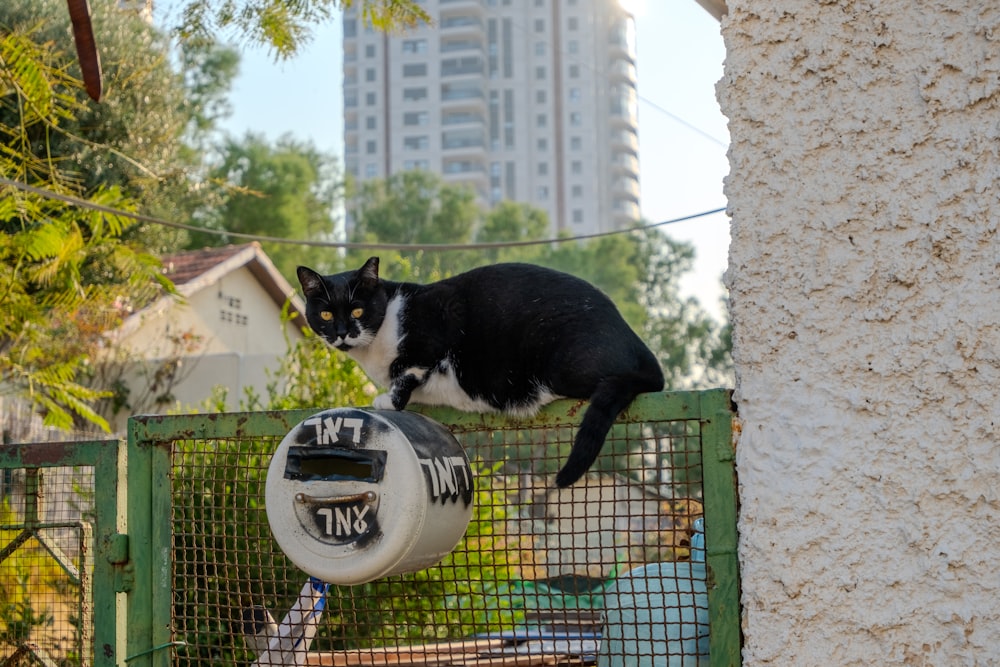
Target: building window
(507, 43)
(414, 69)
(573, 23)
(539, 25)
(577, 216)
(371, 170)
(414, 46)
(543, 192)
(370, 122)
(414, 94)
(540, 73)
(576, 167)
(574, 95)
(576, 191)
(370, 147)
(543, 168)
(542, 144)
(411, 118)
(416, 143)
(369, 74)
(508, 119)
(576, 119)
(539, 48)
(350, 28)
(423, 165)
(369, 51)
(575, 144)
(574, 71)
(370, 99)
(540, 97)
(541, 120)
(573, 47)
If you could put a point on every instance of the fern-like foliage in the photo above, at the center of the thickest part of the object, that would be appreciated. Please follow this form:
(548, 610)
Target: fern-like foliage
(66, 273)
(284, 25)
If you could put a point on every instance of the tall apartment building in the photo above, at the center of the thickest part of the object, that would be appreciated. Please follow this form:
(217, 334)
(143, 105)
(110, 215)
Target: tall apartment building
(527, 100)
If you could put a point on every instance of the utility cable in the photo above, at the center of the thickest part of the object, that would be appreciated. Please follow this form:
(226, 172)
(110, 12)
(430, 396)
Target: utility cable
(427, 247)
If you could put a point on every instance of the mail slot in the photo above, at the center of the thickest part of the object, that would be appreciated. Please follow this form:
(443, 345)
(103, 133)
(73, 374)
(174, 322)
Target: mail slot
(356, 494)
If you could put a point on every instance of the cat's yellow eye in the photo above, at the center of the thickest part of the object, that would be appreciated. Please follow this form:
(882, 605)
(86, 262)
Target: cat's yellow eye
(357, 312)
(326, 315)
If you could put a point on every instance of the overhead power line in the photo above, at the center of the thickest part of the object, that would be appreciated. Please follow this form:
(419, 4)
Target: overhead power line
(427, 247)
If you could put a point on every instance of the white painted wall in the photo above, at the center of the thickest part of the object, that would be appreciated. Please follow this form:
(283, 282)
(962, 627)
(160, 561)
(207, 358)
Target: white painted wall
(865, 283)
(241, 339)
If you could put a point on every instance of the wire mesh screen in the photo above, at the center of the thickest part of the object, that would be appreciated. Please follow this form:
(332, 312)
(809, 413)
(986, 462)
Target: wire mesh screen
(606, 569)
(45, 564)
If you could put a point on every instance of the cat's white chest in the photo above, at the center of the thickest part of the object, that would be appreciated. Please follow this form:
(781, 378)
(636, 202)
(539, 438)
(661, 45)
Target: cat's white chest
(376, 357)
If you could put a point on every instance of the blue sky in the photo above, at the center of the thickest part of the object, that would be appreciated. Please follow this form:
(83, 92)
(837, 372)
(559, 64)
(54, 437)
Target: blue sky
(680, 56)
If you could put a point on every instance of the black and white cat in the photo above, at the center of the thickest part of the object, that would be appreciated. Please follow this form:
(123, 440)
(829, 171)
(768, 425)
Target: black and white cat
(507, 337)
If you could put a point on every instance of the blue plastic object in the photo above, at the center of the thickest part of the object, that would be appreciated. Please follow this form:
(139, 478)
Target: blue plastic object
(657, 614)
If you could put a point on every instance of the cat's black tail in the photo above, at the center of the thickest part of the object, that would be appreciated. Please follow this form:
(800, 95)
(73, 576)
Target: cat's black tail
(611, 397)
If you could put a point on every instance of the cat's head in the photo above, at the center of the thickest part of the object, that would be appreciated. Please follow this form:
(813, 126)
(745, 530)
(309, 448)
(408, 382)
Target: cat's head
(345, 309)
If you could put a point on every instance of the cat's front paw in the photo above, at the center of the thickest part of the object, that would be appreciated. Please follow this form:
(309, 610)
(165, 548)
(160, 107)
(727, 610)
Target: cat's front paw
(383, 402)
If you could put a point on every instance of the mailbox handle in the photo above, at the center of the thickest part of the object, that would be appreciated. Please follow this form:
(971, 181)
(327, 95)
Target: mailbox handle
(367, 496)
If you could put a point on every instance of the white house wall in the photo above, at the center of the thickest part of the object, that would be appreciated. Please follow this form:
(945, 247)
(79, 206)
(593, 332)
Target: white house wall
(241, 335)
(864, 274)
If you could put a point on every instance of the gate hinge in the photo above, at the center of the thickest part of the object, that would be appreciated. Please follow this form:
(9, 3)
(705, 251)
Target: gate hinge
(118, 549)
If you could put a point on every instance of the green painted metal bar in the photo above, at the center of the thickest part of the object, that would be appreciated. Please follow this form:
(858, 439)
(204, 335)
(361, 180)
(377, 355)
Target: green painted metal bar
(149, 506)
(165, 428)
(104, 457)
(140, 520)
(108, 601)
(161, 541)
(719, 484)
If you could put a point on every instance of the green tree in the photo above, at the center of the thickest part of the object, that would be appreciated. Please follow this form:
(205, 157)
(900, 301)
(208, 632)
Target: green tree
(286, 190)
(416, 207)
(283, 25)
(66, 273)
(640, 271)
(513, 221)
(138, 137)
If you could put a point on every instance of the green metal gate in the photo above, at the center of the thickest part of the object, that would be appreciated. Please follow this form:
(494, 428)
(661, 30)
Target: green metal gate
(182, 551)
(63, 553)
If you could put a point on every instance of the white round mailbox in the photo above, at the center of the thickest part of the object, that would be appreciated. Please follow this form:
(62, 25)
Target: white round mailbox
(356, 494)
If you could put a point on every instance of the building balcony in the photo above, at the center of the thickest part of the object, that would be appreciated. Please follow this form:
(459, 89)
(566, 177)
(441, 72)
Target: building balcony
(622, 70)
(465, 96)
(625, 139)
(465, 6)
(626, 188)
(626, 212)
(453, 118)
(625, 163)
(458, 45)
(468, 66)
(461, 25)
(624, 115)
(462, 9)
(465, 170)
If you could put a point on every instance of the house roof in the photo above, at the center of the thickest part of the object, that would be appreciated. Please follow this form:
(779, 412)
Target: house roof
(183, 267)
(191, 271)
(194, 270)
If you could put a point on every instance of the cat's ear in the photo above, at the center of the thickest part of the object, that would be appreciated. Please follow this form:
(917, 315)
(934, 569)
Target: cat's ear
(312, 282)
(368, 273)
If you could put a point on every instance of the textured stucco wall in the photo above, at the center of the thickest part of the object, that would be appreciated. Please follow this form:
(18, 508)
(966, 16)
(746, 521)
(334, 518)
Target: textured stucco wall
(865, 284)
